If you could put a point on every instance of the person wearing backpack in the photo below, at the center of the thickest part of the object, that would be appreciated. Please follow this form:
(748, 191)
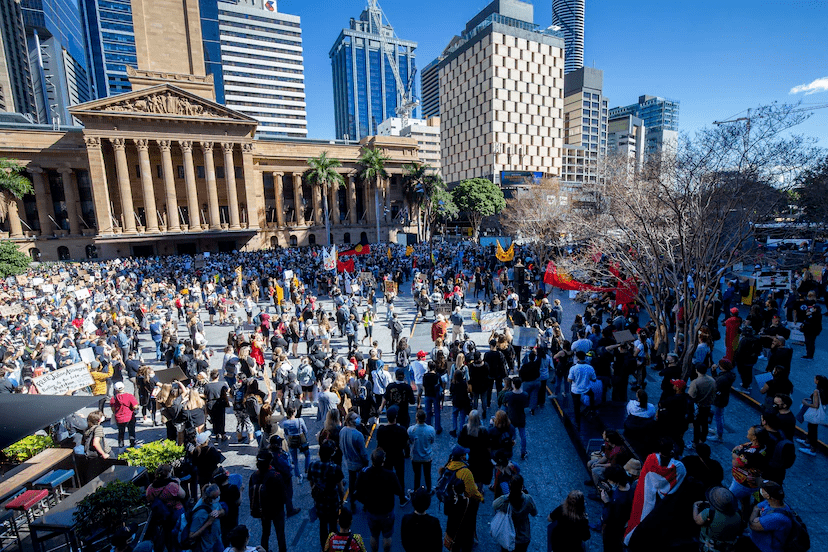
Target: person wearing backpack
(267, 500)
(781, 452)
(771, 521)
(522, 508)
(396, 331)
(461, 499)
(165, 497)
(344, 540)
(203, 532)
(719, 519)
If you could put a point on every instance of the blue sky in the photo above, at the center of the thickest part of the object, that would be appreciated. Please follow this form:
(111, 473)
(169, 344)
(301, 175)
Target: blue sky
(717, 57)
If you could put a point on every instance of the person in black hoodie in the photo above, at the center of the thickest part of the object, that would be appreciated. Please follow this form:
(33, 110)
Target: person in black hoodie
(419, 531)
(724, 382)
(812, 326)
(460, 401)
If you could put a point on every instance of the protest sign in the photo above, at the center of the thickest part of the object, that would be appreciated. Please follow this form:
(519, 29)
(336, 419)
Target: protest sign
(390, 286)
(87, 354)
(47, 288)
(493, 321)
(11, 310)
(525, 337)
(82, 293)
(60, 382)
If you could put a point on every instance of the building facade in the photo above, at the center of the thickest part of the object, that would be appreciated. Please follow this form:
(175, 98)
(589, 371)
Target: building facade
(626, 137)
(426, 132)
(586, 110)
(15, 76)
(568, 15)
(263, 67)
(163, 171)
(501, 96)
(110, 45)
(661, 119)
(364, 85)
(430, 89)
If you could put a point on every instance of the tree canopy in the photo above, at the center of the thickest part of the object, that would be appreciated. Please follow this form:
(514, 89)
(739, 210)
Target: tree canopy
(12, 179)
(478, 198)
(12, 260)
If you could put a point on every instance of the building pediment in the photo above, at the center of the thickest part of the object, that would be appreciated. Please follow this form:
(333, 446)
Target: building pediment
(164, 101)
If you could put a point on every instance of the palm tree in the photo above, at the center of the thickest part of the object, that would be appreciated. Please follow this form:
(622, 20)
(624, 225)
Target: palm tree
(323, 173)
(372, 163)
(414, 188)
(13, 183)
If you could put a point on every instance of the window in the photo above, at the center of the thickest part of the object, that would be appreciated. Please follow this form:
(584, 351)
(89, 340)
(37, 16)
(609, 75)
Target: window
(180, 171)
(137, 171)
(220, 171)
(311, 239)
(91, 252)
(35, 253)
(63, 253)
(293, 241)
(158, 172)
(347, 237)
(200, 171)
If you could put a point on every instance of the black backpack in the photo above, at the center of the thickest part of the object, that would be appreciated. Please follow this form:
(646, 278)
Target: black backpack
(798, 539)
(784, 454)
(398, 327)
(449, 487)
(402, 359)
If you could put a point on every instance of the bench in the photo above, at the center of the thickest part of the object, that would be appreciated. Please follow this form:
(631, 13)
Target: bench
(26, 502)
(53, 482)
(8, 528)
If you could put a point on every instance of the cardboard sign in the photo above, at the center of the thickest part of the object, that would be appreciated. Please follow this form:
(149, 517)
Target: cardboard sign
(64, 380)
(170, 374)
(55, 279)
(525, 337)
(22, 280)
(624, 336)
(493, 321)
(11, 310)
(87, 355)
(29, 294)
(82, 293)
(390, 286)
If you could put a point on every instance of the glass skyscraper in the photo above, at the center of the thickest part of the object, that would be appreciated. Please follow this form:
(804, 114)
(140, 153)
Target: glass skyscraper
(569, 16)
(661, 119)
(365, 90)
(111, 44)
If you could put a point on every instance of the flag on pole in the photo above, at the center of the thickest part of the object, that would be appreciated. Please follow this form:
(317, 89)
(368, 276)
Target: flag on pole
(329, 258)
(505, 256)
(239, 274)
(389, 253)
(408, 251)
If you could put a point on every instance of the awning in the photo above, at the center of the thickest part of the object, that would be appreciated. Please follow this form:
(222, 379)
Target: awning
(23, 415)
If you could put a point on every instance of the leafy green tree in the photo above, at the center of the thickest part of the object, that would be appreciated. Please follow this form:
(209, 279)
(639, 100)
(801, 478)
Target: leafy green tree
(811, 193)
(372, 169)
(323, 173)
(478, 198)
(12, 260)
(12, 179)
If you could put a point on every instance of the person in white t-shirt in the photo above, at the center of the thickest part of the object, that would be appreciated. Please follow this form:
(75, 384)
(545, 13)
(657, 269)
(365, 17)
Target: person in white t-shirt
(418, 368)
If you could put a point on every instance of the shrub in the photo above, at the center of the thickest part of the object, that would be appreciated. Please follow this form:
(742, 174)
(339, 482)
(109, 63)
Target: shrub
(152, 455)
(28, 447)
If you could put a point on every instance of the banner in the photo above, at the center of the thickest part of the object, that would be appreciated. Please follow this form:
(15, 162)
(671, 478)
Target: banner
(525, 337)
(347, 266)
(505, 256)
(493, 321)
(280, 293)
(329, 259)
(64, 380)
(408, 251)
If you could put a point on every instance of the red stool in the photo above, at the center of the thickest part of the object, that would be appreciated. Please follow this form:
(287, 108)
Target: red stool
(26, 503)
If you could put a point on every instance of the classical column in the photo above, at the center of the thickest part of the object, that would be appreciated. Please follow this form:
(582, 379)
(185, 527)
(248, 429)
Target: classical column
(212, 187)
(13, 213)
(100, 187)
(297, 199)
(333, 198)
(70, 192)
(316, 196)
(122, 170)
(190, 181)
(230, 179)
(386, 194)
(147, 187)
(41, 200)
(352, 201)
(279, 188)
(173, 224)
(253, 189)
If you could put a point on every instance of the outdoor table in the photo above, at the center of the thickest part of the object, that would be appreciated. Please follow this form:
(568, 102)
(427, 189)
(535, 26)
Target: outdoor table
(31, 470)
(60, 519)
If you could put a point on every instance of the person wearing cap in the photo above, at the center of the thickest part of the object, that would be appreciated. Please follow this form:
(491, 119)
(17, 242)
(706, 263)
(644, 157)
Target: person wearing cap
(124, 406)
(719, 519)
(461, 522)
(418, 369)
(771, 520)
(674, 413)
(267, 490)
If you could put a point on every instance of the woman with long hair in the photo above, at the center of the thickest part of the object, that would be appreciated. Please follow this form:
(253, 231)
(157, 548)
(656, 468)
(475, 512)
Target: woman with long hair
(293, 336)
(325, 334)
(476, 438)
(568, 527)
(148, 387)
(811, 414)
(522, 507)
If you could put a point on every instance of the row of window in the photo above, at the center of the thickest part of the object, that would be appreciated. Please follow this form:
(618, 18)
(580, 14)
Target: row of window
(262, 57)
(271, 38)
(229, 72)
(259, 67)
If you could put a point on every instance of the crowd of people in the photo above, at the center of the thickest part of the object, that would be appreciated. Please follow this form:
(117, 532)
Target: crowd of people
(300, 337)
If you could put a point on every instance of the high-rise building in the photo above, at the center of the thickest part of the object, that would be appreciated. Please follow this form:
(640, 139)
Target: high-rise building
(57, 57)
(660, 117)
(430, 89)
(15, 77)
(425, 131)
(501, 96)
(568, 15)
(110, 45)
(585, 110)
(365, 86)
(263, 67)
(626, 138)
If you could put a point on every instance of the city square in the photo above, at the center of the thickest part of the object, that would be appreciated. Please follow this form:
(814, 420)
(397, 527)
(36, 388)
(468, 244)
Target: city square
(224, 324)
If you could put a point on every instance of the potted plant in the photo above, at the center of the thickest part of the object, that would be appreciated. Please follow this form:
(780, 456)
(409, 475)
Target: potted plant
(111, 506)
(152, 455)
(28, 447)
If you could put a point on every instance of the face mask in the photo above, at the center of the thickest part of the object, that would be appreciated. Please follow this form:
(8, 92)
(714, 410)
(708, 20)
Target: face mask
(357, 420)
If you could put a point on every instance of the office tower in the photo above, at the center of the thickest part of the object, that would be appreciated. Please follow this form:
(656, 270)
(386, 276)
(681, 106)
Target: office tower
(15, 77)
(263, 67)
(425, 131)
(660, 117)
(430, 89)
(57, 57)
(585, 110)
(569, 16)
(366, 91)
(110, 45)
(626, 138)
(501, 96)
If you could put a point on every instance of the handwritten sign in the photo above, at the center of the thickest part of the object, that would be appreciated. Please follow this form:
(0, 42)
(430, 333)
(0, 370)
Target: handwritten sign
(64, 380)
(47, 288)
(82, 293)
(390, 286)
(525, 337)
(100, 297)
(493, 321)
(22, 280)
(11, 310)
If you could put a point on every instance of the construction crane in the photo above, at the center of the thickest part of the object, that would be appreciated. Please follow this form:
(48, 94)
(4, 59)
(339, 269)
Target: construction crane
(405, 92)
(748, 118)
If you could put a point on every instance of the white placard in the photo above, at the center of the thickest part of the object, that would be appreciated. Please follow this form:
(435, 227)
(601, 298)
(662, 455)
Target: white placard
(64, 380)
(82, 293)
(288, 276)
(493, 321)
(87, 355)
(11, 310)
(100, 297)
(525, 337)
(36, 281)
(47, 288)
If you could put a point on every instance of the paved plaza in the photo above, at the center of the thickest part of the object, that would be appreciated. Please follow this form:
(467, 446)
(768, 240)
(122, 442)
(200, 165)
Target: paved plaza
(554, 465)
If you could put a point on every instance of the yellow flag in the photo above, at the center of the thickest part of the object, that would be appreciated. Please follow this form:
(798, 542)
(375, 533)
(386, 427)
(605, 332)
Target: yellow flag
(389, 253)
(239, 274)
(408, 251)
(505, 256)
(280, 294)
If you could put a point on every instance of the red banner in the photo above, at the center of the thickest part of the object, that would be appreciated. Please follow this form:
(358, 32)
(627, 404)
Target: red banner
(347, 266)
(360, 249)
(625, 292)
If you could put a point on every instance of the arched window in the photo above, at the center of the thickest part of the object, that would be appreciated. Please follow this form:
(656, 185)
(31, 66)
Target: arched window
(91, 252)
(312, 239)
(363, 237)
(63, 253)
(293, 241)
(35, 253)
(274, 242)
(347, 237)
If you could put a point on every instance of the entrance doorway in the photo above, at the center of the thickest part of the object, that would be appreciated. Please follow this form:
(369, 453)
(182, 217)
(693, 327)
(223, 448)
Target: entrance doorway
(186, 248)
(143, 251)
